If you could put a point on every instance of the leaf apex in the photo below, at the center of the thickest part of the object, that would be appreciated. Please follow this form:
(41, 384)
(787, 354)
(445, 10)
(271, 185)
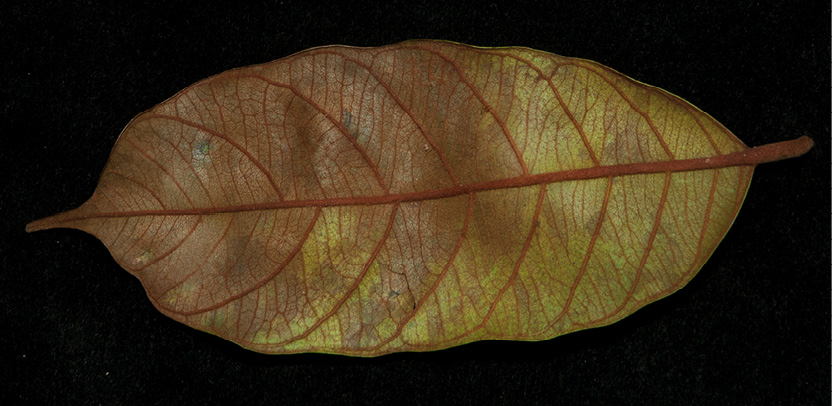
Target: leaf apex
(56, 221)
(38, 225)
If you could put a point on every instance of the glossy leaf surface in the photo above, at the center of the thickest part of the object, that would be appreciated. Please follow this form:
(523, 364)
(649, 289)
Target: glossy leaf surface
(415, 197)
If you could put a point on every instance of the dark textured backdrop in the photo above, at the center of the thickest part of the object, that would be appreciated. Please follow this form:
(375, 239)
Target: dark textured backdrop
(751, 328)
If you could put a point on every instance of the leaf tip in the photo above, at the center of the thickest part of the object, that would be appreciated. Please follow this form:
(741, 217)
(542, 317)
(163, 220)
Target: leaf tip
(46, 223)
(37, 225)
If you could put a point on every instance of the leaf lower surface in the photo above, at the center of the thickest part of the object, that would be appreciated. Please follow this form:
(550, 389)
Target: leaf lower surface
(415, 197)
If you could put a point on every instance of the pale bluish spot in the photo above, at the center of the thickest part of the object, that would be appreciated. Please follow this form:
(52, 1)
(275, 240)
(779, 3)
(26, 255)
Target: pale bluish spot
(143, 259)
(201, 153)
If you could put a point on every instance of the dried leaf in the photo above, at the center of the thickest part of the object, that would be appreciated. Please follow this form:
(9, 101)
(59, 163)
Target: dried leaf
(415, 197)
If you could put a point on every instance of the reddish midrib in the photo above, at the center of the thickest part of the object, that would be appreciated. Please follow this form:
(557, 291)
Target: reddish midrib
(752, 156)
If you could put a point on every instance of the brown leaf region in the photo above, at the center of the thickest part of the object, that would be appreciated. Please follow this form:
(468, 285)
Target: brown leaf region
(415, 197)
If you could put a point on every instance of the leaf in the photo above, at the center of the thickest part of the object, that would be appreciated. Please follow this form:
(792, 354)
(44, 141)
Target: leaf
(416, 197)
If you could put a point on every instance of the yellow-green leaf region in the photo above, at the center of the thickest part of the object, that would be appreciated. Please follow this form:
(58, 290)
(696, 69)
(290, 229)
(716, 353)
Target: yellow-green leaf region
(415, 197)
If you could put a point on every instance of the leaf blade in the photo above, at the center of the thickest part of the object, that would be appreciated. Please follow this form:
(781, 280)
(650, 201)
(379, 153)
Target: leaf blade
(247, 204)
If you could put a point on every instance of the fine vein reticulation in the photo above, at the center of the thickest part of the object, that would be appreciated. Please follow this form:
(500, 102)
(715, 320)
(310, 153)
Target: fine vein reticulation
(415, 197)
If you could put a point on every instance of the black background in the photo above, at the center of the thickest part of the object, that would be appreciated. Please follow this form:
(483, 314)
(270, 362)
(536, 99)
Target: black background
(751, 328)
